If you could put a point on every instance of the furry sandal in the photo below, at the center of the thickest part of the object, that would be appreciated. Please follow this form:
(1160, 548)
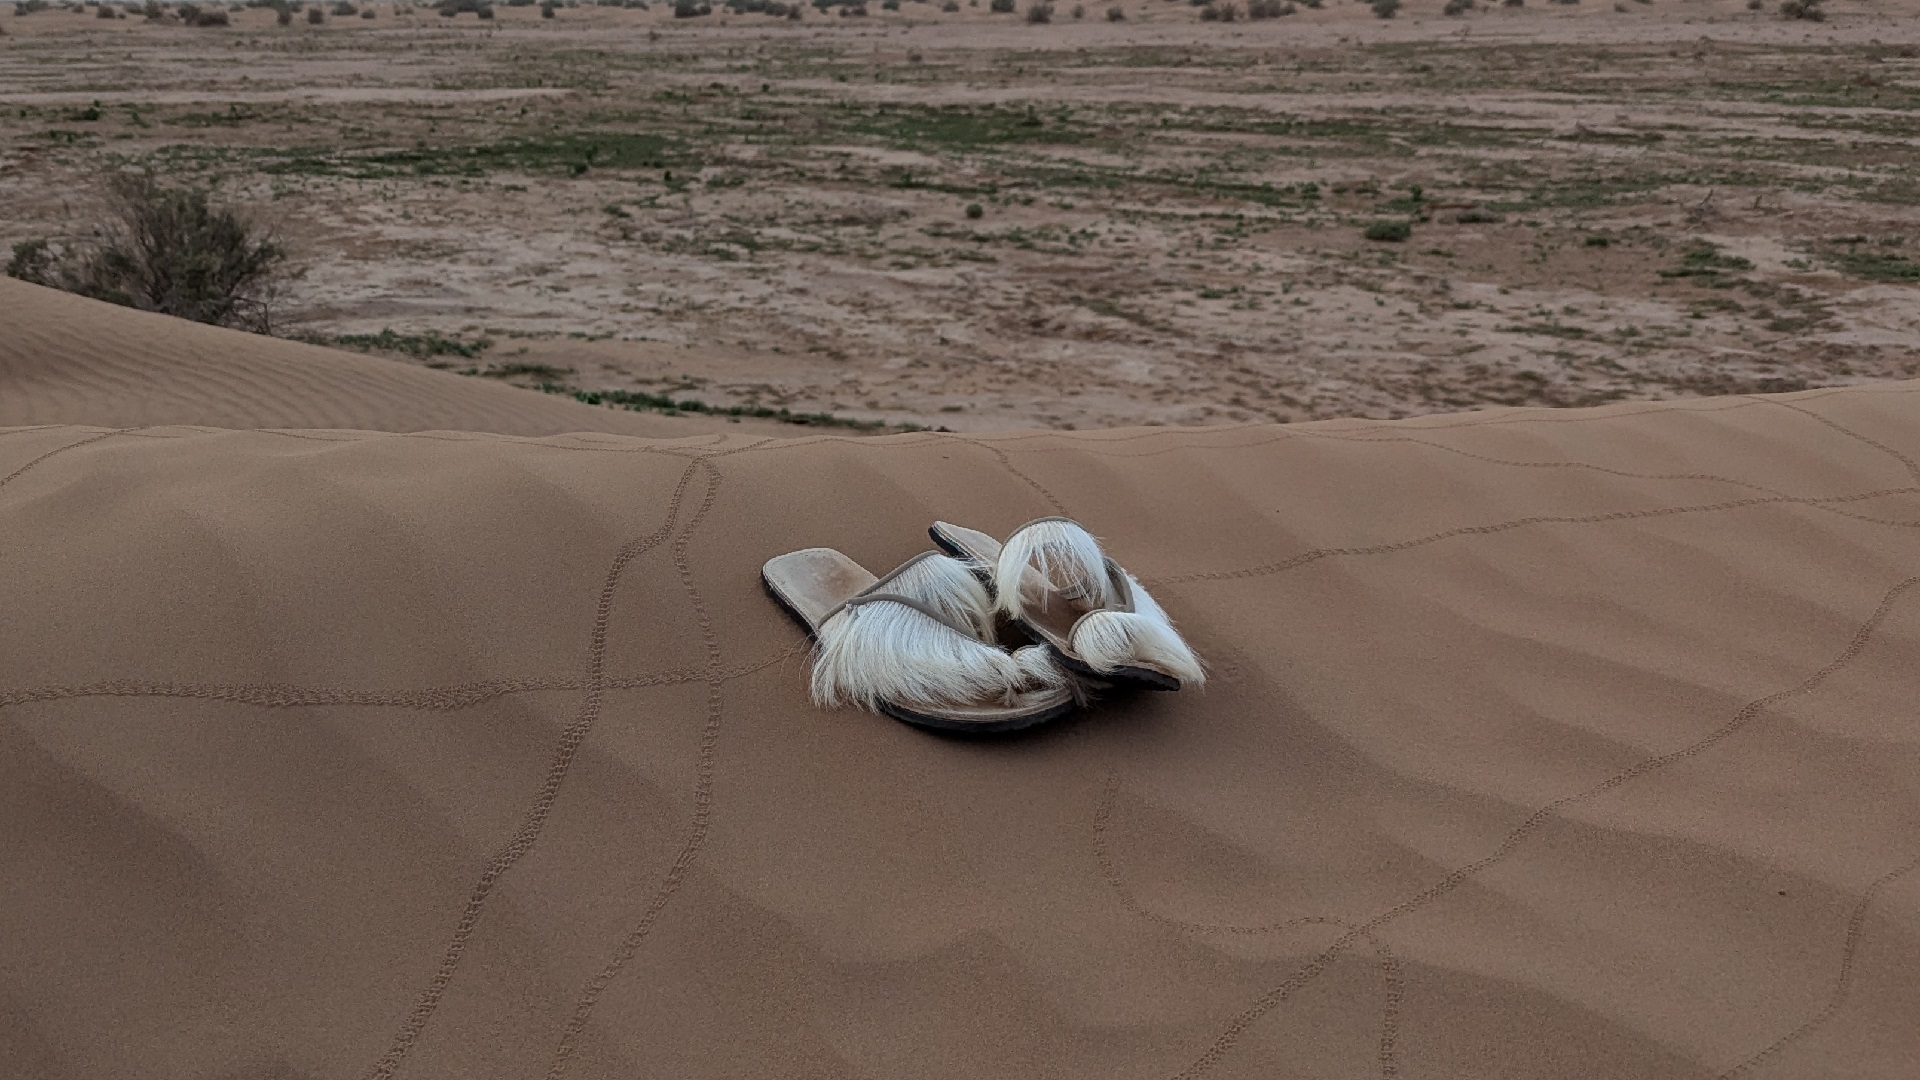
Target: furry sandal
(1056, 584)
(917, 645)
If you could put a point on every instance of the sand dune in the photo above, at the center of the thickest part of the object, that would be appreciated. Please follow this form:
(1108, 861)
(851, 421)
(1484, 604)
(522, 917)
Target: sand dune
(1539, 744)
(64, 360)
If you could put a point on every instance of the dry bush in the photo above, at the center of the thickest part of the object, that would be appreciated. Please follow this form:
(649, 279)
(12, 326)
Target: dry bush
(169, 250)
(1809, 10)
(1268, 9)
(1039, 13)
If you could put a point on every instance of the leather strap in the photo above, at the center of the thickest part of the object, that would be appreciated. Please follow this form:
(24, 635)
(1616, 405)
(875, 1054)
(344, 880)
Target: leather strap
(872, 594)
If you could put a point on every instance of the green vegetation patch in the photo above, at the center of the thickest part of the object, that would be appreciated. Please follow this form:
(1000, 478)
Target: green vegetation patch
(961, 127)
(1392, 232)
(1704, 263)
(1877, 266)
(573, 153)
(419, 346)
(641, 401)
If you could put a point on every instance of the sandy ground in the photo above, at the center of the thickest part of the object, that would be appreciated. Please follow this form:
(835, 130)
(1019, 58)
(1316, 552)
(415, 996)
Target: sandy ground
(1537, 745)
(1606, 201)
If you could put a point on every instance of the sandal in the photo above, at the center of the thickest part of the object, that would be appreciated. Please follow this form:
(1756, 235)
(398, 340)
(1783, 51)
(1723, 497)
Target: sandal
(1056, 584)
(916, 645)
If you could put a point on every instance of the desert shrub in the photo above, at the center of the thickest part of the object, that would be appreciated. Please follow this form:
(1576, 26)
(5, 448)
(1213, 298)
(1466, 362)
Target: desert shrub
(105, 12)
(212, 18)
(1385, 9)
(1809, 10)
(1392, 232)
(1079, 11)
(1457, 7)
(547, 9)
(1039, 13)
(890, 5)
(1000, 7)
(484, 11)
(1268, 9)
(168, 250)
(1513, 3)
(28, 7)
(284, 17)
(315, 16)
(1115, 14)
(367, 12)
(345, 8)
(1478, 215)
(950, 6)
(1220, 11)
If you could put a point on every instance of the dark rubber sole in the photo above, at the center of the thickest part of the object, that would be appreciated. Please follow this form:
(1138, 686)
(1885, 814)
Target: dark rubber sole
(1139, 676)
(942, 724)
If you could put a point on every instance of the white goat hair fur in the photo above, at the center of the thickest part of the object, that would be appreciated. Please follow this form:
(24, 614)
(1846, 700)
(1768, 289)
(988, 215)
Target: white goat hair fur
(889, 652)
(1051, 562)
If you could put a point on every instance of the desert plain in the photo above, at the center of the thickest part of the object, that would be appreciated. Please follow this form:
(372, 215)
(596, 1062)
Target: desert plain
(1139, 213)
